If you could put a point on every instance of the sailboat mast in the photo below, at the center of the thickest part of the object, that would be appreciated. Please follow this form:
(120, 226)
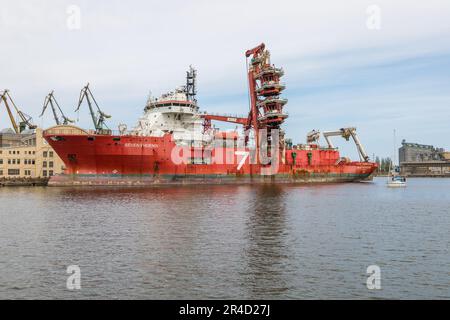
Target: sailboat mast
(395, 149)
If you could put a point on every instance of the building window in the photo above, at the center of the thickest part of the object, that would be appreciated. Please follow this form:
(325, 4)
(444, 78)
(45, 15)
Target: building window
(44, 164)
(51, 154)
(13, 172)
(28, 172)
(50, 173)
(13, 161)
(18, 161)
(50, 164)
(1, 172)
(45, 154)
(33, 161)
(1, 161)
(44, 173)
(9, 161)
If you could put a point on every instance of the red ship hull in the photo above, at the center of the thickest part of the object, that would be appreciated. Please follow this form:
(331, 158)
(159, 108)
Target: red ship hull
(135, 160)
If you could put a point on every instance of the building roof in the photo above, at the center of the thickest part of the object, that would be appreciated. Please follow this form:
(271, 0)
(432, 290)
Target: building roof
(28, 131)
(7, 131)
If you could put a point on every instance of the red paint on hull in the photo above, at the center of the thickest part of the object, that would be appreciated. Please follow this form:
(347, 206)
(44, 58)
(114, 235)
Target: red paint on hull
(105, 155)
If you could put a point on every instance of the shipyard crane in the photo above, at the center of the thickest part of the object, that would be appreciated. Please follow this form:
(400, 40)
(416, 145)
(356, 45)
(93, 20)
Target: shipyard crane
(26, 120)
(346, 133)
(50, 100)
(98, 117)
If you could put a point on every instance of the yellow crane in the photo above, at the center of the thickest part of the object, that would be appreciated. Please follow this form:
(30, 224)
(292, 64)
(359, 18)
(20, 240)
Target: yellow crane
(25, 119)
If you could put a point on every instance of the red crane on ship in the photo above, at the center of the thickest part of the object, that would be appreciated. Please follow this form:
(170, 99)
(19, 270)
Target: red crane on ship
(266, 107)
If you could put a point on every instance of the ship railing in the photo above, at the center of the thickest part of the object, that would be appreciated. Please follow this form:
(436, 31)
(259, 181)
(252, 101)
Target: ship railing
(118, 133)
(272, 84)
(66, 131)
(77, 132)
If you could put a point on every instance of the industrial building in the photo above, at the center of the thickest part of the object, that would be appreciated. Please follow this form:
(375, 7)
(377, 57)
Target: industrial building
(414, 152)
(422, 160)
(27, 155)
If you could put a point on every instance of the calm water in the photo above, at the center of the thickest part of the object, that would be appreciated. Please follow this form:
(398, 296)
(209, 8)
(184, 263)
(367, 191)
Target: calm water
(294, 242)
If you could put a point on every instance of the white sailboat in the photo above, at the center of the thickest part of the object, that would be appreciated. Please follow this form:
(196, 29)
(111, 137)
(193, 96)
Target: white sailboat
(395, 180)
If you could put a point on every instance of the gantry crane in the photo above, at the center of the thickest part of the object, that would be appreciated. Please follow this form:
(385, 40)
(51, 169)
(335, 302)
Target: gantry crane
(26, 120)
(98, 117)
(50, 100)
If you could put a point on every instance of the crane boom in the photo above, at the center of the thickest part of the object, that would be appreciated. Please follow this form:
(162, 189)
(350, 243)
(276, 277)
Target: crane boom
(10, 114)
(255, 50)
(48, 100)
(98, 117)
(346, 133)
(51, 100)
(26, 119)
(237, 120)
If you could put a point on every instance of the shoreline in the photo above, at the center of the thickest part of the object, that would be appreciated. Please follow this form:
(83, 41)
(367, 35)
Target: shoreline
(24, 182)
(41, 182)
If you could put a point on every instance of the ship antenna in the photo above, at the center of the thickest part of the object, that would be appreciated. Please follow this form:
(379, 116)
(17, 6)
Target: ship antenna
(191, 84)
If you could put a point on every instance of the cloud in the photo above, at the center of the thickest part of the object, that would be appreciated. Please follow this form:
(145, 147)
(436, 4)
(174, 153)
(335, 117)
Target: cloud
(337, 71)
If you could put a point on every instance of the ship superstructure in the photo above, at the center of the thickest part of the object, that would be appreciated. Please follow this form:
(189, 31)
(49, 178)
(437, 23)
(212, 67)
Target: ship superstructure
(175, 142)
(175, 113)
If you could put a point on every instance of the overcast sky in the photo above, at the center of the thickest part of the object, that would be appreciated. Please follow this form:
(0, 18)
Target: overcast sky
(341, 69)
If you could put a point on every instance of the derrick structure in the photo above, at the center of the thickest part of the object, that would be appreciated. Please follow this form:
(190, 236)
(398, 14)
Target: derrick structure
(266, 105)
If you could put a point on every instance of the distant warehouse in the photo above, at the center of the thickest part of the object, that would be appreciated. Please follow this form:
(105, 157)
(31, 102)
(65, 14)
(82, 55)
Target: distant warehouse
(423, 160)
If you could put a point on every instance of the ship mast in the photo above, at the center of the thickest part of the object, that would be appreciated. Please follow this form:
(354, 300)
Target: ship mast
(191, 85)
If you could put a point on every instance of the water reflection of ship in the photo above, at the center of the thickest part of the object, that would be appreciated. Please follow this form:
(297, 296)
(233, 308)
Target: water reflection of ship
(267, 243)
